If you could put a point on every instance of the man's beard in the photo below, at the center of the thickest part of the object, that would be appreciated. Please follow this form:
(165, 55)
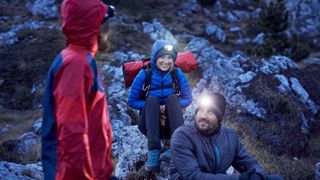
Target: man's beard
(210, 130)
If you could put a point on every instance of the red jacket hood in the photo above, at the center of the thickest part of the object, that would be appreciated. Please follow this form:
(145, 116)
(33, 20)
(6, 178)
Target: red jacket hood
(81, 21)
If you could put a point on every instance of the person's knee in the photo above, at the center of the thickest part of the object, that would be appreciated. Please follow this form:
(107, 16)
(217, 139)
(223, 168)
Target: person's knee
(172, 98)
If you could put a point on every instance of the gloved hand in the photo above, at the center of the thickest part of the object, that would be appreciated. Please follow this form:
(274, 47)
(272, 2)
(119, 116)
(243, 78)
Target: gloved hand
(246, 175)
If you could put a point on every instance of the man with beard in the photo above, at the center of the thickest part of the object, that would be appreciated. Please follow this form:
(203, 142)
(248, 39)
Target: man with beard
(76, 131)
(205, 149)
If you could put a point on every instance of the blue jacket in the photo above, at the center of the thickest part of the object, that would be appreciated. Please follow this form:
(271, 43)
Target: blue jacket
(159, 79)
(195, 156)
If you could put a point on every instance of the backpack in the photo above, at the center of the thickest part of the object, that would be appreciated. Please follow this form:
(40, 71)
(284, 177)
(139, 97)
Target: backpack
(147, 83)
(185, 60)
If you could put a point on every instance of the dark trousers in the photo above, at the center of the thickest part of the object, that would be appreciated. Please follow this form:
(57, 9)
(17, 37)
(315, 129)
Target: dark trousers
(149, 122)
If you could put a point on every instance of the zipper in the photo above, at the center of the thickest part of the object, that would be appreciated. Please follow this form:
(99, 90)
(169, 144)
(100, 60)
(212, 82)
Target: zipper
(162, 80)
(217, 156)
(162, 86)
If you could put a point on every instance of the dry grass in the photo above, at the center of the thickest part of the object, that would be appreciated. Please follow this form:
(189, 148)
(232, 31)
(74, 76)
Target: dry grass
(284, 165)
(31, 156)
(19, 121)
(26, 63)
(302, 168)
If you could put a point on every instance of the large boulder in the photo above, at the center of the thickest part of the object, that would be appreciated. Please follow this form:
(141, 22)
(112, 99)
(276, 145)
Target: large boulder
(132, 150)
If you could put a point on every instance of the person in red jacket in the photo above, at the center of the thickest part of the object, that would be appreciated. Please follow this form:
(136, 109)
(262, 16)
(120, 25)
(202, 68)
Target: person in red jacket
(76, 130)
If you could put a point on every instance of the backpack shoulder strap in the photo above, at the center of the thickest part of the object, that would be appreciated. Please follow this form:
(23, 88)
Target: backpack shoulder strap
(175, 82)
(147, 83)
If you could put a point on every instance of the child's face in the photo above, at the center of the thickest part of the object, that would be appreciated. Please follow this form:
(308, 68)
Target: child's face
(165, 62)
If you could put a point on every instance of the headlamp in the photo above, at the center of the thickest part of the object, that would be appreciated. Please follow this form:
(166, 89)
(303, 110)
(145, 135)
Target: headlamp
(168, 47)
(111, 13)
(205, 101)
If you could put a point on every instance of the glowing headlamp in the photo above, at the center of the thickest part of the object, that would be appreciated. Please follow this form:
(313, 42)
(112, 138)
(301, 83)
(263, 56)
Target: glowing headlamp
(205, 101)
(168, 47)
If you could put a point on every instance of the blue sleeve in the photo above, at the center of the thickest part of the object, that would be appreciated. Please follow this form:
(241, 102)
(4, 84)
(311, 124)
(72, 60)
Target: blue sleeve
(185, 96)
(134, 99)
(186, 163)
(243, 161)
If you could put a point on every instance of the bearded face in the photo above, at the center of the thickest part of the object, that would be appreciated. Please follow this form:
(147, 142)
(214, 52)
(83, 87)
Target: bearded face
(206, 120)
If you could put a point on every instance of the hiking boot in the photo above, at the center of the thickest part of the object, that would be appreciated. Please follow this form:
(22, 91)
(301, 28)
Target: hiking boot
(166, 155)
(153, 163)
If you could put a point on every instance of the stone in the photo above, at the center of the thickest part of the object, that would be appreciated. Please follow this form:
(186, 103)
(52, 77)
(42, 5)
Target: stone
(26, 142)
(217, 32)
(277, 63)
(317, 171)
(242, 41)
(132, 150)
(284, 83)
(312, 106)
(259, 39)
(297, 88)
(120, 57)
(311, 60)
(251, 107)
(45, 8)
(135, 56)
(10, 171)
(5, 128)
(9, 38)
(157, 31)
(231, 17)
(247, 77)
(196, 45)
(36, 126)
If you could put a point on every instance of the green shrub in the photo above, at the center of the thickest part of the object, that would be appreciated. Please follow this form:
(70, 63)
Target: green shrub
(274, 23)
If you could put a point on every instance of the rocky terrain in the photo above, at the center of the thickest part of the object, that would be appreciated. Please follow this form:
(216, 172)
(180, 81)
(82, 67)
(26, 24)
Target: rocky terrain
(273, 103)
